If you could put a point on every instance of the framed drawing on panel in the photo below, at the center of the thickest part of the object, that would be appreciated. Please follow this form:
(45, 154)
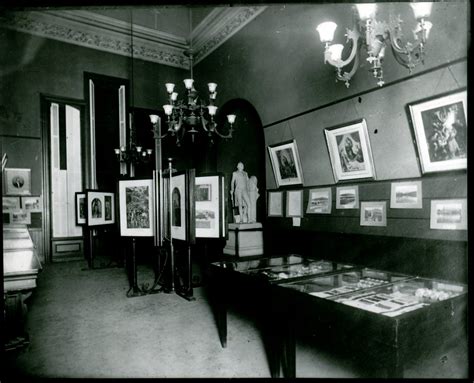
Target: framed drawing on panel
(10, 203)
(275, 204)
(440, 125)
(17, 181)
(449, 214)
(81, 216)
(347, 197)
(33, 204)
(20, 217)
(100, 208)
(136, 207)
(406, 195)
(373, 213)
(350, 152)
(208, 202)
(286, 163)
(294, 203)
(319, 201)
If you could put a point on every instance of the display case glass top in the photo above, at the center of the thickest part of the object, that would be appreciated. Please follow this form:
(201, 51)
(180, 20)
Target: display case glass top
(244, 265)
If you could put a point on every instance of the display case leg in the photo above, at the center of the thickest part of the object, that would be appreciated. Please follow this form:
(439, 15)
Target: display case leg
(134, 290)
(288, 352)
(395, 367)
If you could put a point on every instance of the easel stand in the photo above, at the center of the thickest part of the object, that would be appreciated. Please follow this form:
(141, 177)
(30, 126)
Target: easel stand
(134, 290)
(89, 247)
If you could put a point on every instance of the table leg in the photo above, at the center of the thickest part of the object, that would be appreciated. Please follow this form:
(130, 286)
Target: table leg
(289, 352)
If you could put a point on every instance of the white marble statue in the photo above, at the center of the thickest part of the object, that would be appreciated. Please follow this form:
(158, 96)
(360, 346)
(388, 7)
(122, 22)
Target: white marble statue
(253, 194)
(239, 192)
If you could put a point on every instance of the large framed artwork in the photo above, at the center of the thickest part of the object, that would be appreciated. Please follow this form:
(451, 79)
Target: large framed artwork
(275, 204)
(81, 216)
(319, 201)
(10, 203)
(449, 214)
(406, 195)
(440, 125)
(33, 204)
(208, 202)
(100, 208)
(136, 208)
(294, 203)
(373, 213)
(347, 197)
(286, 163)
(17, 181)
(350, 152)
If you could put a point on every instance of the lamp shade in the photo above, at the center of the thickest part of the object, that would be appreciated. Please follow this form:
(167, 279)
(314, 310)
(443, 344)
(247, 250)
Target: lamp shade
(169, 87)
(154, 118)
(188, 83)
(231, 118)
(174, 96)
(212, 87)
(366, 11)
(326, 31)
(168, 109)
(421, 10)
(336, 51)
(212, 110)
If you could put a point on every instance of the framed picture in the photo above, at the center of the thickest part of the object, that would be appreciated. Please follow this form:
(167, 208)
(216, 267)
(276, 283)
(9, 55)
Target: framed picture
(275, 204)
(33, 204)
(347, 197)
(349, 151)
(286, 163)
(406, 195)
(319, 201)
(208, 205)
(100, 208)
(20, 217)
(10, 203)
(373, 213)
(449, 214)
(136, 208)
(440, 125)
(294, 203)
(81, 214)
(17, 181)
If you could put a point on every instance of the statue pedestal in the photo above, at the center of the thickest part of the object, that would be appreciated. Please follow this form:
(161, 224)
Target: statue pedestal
(245, 239)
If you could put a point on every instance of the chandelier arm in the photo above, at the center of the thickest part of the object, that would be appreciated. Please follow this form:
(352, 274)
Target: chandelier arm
(351, 35)
(409, 60)
(203, 122)
(229, 135)
(346, 76)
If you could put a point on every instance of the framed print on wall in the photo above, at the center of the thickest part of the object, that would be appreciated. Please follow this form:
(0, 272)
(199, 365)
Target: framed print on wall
(33, 204)
(136, 208)
(17, 181)
(373, 213)
(10, 203)
(294, 203)
(100, 208)
(81, 216)
(286, 163)
(440, 125)
(347, 197)
(449, 214)
(350, 152)
(20, 217)
(406, 195)
(275, 204)
(319, 201)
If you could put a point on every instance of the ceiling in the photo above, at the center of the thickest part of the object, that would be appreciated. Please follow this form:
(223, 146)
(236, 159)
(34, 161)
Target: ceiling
(158, 34)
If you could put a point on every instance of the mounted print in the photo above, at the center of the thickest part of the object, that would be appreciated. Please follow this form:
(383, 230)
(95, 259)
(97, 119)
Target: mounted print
(350, 152)
(286, 163)
(136, 208)
(440, 125)
(319, 201)
(81, 216)
(10, 203)
(373, 213)
(17, 181)
(275, 204)
(294, 203)
(20, 217)
(33, 204)
(449, 214)
(208, 204)
(347, 197)
(406, 195)
(100, 208)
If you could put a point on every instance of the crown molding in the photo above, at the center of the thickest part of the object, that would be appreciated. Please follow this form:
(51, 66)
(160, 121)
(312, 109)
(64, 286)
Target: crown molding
(95, 31)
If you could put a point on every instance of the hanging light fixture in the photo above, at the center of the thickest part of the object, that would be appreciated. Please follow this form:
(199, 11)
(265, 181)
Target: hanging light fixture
(192, 115)
(375, 37)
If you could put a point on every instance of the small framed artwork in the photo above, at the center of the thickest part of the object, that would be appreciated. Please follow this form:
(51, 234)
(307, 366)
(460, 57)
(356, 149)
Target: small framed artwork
(286, 163)
(347, 197)
(406, 195)
(17, 181)
(373, 213)
(275, 204)
(20, 217)
(350, 152)
(136, 208)
(10, 204)
(81, 216)
(209, 212)
(449, 214)
(440, 125)
(33, 204)
(319, 201)
(100, 208)
(294, 203)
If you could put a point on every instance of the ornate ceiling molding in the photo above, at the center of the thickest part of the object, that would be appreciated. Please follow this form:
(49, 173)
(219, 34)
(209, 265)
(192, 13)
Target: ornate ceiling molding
(95, 31)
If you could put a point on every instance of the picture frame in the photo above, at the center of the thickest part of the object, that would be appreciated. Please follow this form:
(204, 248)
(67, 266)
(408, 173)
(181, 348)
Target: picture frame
(20, 217)
(10, 204)
(81, 208)
(347, 197)
(350, 152)
(208, 206)
(286, 163)
(275, 204)
(319, 201)
(440, 126)
(373, 213)
(17, 181)
(136, 208)
(34, 204)
(100, 208)
(448, 214)
(294, 203)
(406, 195)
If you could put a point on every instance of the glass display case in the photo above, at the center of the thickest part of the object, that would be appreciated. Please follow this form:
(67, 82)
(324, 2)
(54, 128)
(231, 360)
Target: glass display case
(246, 265)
